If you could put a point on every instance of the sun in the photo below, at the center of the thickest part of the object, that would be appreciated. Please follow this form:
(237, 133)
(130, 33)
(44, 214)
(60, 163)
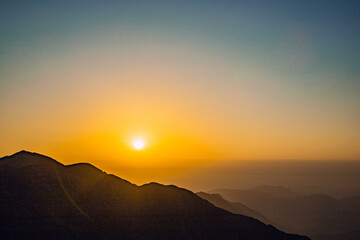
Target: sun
(138, 144)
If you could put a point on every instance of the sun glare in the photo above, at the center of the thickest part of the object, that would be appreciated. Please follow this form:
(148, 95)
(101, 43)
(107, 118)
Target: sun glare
(138, 144)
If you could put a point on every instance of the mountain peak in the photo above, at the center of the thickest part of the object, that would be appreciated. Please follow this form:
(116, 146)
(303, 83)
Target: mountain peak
(23, 153)
(27, 153)
(82, 165)
(216, 196)
(26, 158)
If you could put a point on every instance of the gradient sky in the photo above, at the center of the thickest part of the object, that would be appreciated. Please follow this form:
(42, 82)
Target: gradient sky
(199, 81)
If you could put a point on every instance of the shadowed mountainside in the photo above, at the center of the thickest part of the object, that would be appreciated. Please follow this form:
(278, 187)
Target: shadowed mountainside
(238, 208)
(41, 198)
(315, 215)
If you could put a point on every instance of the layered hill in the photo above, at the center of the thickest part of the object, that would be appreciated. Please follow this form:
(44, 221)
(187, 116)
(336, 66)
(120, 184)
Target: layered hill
(238, 208)
(41, 198)
(314, 215)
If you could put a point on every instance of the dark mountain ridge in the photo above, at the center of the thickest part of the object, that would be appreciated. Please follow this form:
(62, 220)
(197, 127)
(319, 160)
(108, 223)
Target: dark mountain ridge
(41, 198)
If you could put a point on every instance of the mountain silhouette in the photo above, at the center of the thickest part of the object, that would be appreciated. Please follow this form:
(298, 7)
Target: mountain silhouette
(41, 198)
(315, 215)
(238, 208)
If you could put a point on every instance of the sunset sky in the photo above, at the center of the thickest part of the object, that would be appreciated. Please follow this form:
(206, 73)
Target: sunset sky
(197, 81)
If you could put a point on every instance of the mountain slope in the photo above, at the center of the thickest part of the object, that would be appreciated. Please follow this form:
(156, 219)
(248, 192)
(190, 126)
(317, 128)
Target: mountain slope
(313, 215)
(238, 208)
(43, 199)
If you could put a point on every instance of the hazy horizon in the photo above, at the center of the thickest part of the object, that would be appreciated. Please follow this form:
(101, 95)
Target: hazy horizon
(331, 177)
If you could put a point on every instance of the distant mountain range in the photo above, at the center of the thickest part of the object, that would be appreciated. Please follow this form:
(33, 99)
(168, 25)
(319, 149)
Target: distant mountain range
(317, 215)
(239, 208)
(41, 198)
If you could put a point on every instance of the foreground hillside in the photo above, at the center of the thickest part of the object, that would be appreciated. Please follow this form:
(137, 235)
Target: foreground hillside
(42, 199)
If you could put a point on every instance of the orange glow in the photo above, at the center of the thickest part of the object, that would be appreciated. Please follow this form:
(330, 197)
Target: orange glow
(181, 107)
